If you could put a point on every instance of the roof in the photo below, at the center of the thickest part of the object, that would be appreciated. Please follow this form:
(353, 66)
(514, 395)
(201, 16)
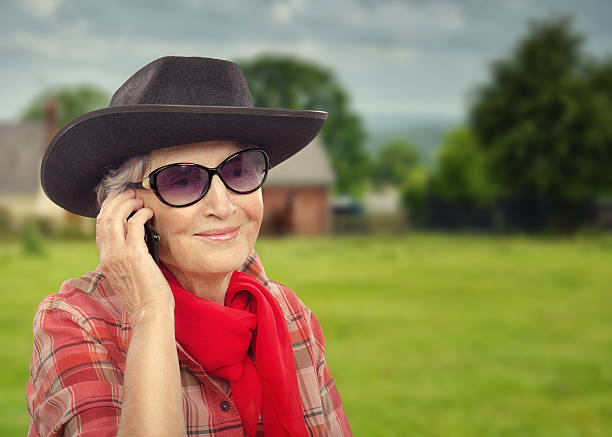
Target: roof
(310, 166)
(21, 148)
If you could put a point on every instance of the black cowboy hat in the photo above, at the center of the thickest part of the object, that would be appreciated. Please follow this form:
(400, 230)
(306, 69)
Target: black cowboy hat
(169, 102)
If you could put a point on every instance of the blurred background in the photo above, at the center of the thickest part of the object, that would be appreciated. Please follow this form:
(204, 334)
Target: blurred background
(454, 214)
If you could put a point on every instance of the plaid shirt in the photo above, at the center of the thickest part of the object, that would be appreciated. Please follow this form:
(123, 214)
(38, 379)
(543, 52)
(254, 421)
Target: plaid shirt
(81, 338)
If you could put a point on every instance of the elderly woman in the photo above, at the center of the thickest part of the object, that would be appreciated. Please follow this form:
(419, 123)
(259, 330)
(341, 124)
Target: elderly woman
(178, 331)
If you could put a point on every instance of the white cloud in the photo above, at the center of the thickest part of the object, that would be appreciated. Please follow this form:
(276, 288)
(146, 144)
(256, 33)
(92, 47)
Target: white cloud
(448, 15)
(392, 55)
(281, 11)
(450, 108)
(41, 8)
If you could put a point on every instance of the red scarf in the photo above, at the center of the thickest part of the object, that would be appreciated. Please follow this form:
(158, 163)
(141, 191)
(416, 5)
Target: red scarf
(222, 339)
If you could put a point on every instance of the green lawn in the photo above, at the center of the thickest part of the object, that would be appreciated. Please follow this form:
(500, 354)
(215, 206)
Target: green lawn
(427, 335)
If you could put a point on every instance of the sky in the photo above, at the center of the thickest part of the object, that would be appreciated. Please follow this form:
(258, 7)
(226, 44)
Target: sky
(412, 58)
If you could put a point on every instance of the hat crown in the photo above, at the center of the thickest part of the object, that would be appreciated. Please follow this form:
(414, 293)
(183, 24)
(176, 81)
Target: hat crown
(176, 80)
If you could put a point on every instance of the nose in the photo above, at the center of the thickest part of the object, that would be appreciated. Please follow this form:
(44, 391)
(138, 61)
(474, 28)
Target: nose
(217, 201)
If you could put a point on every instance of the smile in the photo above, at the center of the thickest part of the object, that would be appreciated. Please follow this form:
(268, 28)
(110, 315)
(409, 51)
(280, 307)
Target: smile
(221, 234)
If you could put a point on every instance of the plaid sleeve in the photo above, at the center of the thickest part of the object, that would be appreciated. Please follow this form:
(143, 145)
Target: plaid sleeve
(336, 422)
(74, 387)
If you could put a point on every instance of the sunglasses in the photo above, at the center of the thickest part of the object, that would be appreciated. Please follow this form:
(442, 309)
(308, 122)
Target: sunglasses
(183, 184)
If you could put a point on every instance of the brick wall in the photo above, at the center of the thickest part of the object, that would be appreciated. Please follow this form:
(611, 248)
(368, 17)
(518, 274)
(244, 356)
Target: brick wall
(296, 210)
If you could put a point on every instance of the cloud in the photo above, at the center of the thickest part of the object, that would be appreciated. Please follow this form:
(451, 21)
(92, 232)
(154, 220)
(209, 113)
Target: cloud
(418, 55)
(281, 11)
(41, 8)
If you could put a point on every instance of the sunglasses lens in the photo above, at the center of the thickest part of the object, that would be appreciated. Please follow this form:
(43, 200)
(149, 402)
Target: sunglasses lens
(181, 184)
(246, 171)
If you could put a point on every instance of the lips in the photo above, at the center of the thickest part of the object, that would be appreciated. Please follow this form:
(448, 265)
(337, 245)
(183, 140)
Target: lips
(220, 234)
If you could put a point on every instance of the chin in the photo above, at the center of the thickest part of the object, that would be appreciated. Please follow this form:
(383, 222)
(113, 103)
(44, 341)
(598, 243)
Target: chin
(207, 264)
(217, 259)
(221, 264)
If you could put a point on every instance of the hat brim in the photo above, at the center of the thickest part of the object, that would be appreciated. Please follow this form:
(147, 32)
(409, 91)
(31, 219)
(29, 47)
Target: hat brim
(85, 148)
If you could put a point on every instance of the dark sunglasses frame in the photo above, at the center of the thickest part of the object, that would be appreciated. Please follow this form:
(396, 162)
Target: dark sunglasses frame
(150, 182)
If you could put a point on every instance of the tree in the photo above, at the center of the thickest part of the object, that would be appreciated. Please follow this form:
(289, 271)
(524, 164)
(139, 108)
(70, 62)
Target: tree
(395, 161)
(280, 81)
(414, 192)
(462, 174)
(544, 128)
(71, 101)
(599, 83)
(399, 164)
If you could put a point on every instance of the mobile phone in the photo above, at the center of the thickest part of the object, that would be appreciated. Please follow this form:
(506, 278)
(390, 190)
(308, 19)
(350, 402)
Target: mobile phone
(152, 240)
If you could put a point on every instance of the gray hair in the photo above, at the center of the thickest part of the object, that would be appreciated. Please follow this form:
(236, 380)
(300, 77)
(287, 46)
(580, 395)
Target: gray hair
(132, 170)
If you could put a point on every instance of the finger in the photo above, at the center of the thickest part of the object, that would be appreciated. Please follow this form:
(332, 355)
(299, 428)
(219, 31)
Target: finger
(111, 226)
(112, 200)
(124, 209)
(115, 198)
(136, 232)
(114, 217)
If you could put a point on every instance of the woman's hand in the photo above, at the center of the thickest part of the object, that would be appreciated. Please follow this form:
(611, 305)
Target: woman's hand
(125, 260)
(152, 394)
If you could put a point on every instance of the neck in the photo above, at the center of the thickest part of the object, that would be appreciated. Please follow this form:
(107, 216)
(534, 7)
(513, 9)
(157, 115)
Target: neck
(209, 286)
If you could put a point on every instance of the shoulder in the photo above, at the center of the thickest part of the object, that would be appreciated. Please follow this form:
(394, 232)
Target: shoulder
(86, 308)
(300, 318)
(287, 297)
(84, 297)
(295, 311)
(79, 322)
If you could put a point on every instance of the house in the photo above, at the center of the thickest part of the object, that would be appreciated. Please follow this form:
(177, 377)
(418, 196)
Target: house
(22, 145)
(297, 192)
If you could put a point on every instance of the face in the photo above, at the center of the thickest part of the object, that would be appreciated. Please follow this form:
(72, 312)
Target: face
(215, 234)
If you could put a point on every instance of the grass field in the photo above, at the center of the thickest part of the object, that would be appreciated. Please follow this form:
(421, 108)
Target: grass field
(427, 335)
